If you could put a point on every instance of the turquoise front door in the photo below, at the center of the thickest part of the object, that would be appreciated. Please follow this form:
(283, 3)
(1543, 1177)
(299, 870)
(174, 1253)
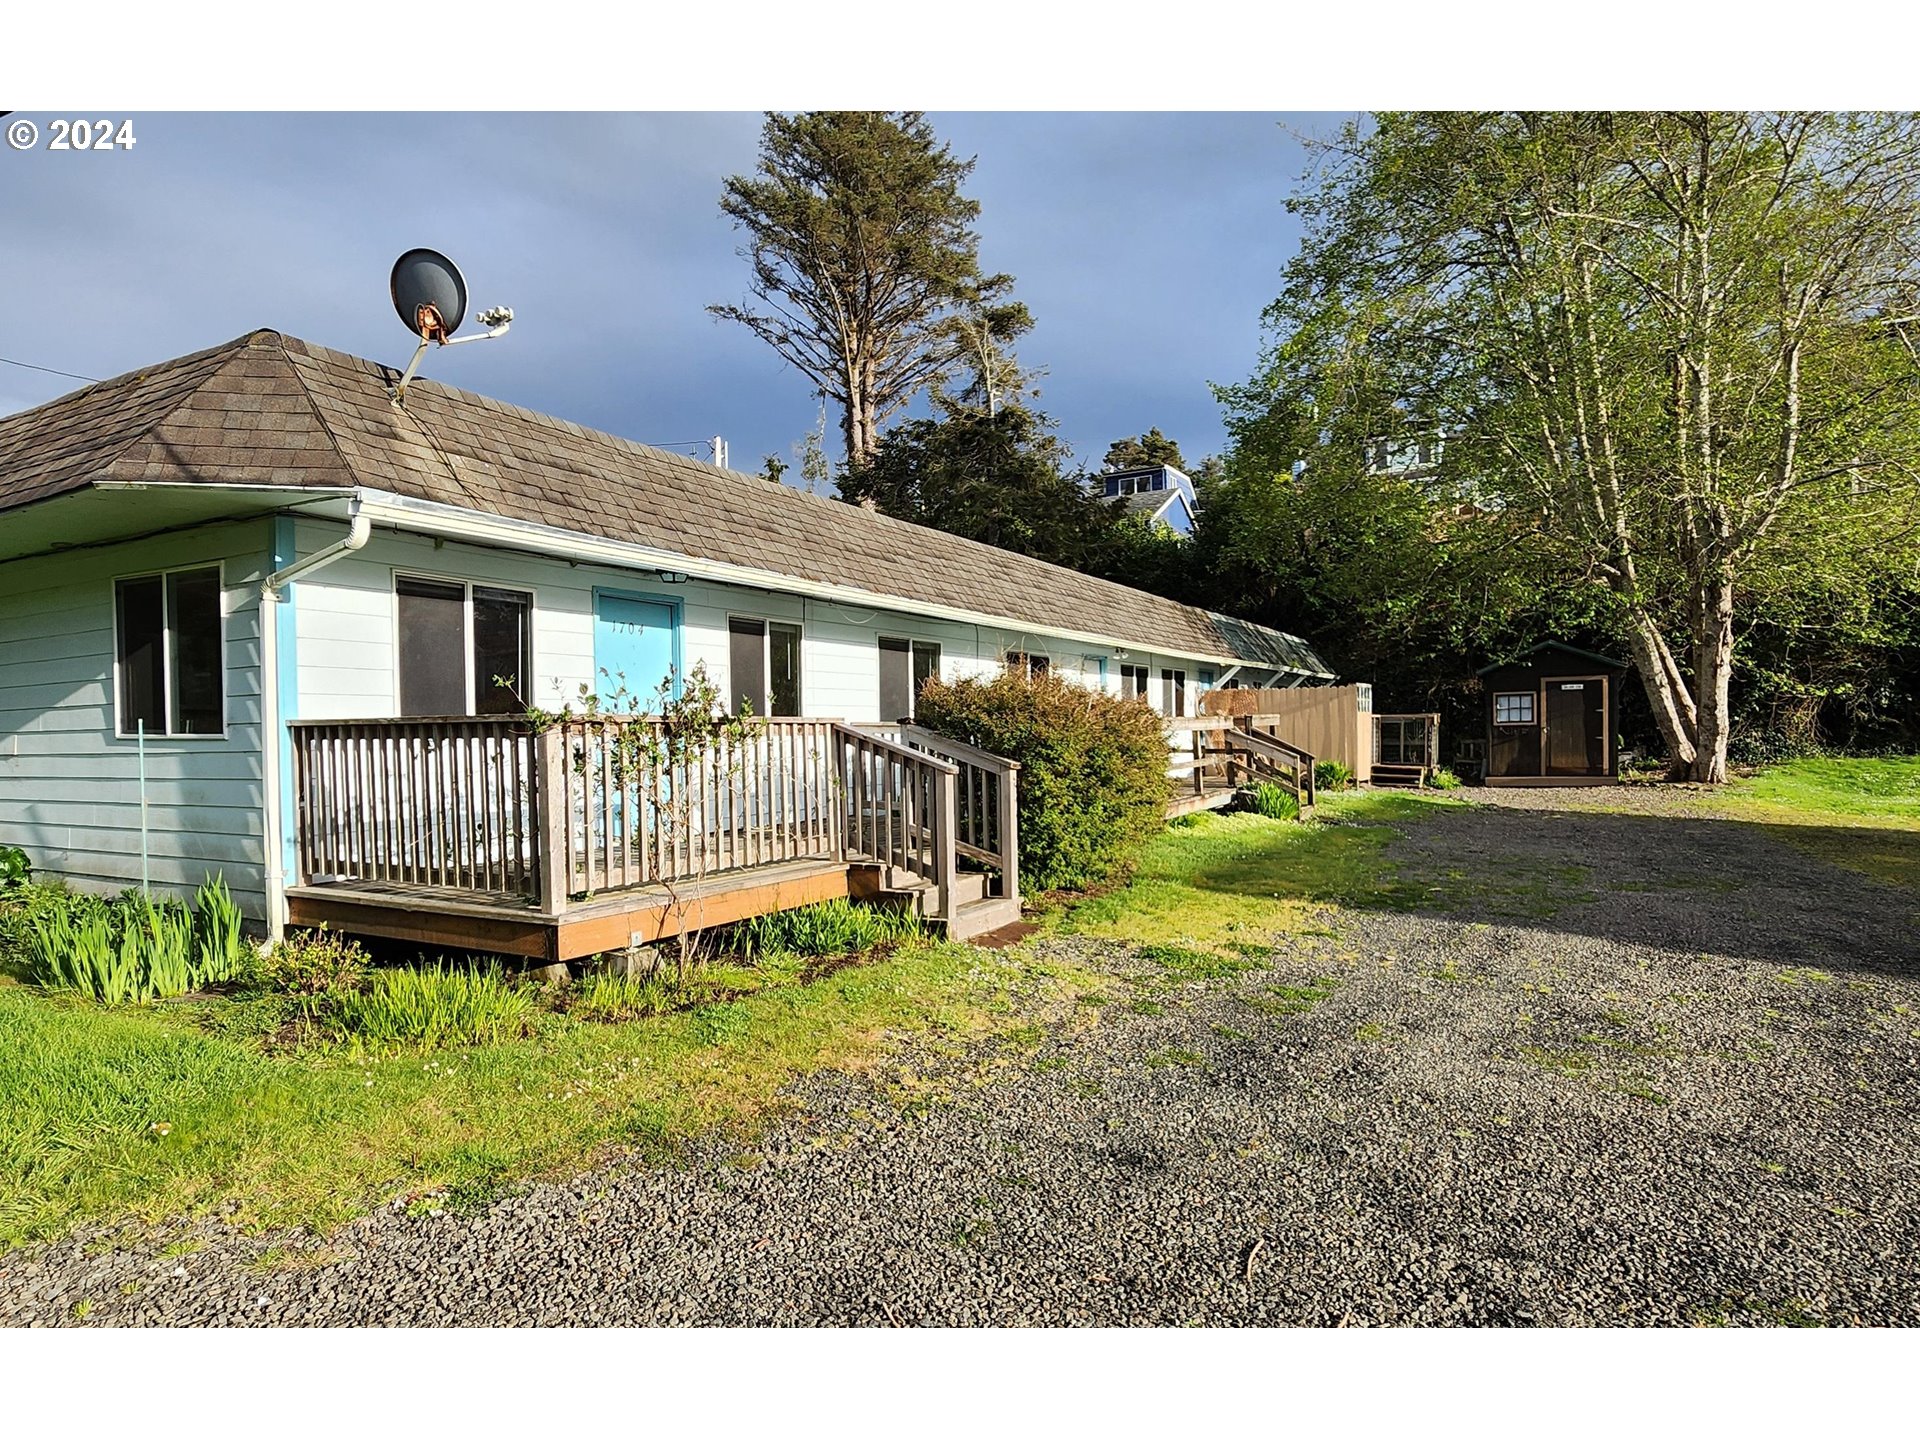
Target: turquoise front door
(635, 645)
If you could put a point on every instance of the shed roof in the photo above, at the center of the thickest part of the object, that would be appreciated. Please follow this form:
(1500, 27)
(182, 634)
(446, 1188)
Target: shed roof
(271, 410)
(1603, 661)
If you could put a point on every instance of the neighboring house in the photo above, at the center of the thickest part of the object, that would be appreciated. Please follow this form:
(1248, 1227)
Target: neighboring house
(1409, 456)
(1160, 492)
(437, 569)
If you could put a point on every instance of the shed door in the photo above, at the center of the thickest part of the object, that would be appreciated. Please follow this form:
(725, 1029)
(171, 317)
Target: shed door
(632, 646)
(1576, 729)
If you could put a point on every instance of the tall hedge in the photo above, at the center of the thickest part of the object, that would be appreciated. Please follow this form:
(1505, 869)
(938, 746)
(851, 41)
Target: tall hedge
(1093, 770)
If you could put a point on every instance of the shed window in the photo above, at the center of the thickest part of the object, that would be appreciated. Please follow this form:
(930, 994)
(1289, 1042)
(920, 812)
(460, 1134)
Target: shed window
(1514, 709)
(1019, 662)
(764, 663)
(168, 654)
(464, 649)
(1133, 681)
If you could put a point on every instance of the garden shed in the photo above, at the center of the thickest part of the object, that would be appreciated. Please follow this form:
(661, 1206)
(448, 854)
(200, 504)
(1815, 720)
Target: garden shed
(1552, 718)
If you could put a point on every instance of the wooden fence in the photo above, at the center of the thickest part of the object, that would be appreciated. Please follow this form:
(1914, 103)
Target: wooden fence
(1331, 722)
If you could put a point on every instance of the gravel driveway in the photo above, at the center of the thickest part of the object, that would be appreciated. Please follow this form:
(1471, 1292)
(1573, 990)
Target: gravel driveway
(1664, 1072)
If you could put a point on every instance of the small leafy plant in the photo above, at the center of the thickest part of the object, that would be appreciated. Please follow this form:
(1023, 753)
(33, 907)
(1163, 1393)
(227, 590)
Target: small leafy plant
(833, 927)
(16, 871)
(1443, 779)
(1274, 802)
(430, 1005)
(135, 948)
(313, 965)
(1332, 775)
(612, 998)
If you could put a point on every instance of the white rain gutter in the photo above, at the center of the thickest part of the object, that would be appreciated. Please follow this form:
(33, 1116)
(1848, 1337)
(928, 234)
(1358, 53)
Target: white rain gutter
(359, 528)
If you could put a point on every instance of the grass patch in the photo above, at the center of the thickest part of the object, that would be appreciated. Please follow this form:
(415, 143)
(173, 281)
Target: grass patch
(1863, 815)
(1186, 1059)
(1229, 882)
(315, 1138)
(1290, 999)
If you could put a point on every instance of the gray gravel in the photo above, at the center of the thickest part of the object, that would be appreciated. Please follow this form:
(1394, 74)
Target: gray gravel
(1631, 1069)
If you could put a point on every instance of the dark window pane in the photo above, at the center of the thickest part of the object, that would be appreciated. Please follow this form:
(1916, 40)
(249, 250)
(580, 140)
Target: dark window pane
(896, 681)
(747, 665)
(926, 664)
(433, 647)
(502, 650)
(140, 627)
(783, 645)
(193, 618)
(1038, 664)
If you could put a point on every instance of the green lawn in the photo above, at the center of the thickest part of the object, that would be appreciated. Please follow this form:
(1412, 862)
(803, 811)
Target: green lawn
(1860, 814)
(141, 1111)
(1223, 880)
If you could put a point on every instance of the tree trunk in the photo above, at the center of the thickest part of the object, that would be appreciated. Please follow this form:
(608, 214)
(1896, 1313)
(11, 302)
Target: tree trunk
(1667, 693)
(1713, 672)
(857, 435)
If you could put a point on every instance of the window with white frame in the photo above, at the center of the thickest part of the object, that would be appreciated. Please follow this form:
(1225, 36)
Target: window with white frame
(1173, 692)
(1515, 708)
(169, 659)
(1020, 662)
(1133, 681)
(763, 661)
(463, 649)
(905, 666)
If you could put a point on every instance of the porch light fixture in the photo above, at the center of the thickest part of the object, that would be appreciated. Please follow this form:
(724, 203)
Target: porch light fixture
(672, 577)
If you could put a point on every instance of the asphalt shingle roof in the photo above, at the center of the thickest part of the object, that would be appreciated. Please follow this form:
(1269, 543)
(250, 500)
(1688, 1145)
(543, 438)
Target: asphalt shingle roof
(272, 410)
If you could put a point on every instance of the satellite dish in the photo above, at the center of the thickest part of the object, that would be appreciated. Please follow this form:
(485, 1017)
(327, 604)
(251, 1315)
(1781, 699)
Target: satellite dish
(431, 297)
(429, 293)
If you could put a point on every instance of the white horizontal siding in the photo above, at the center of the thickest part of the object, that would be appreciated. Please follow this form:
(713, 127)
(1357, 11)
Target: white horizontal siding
(346, 648)
(70, 789)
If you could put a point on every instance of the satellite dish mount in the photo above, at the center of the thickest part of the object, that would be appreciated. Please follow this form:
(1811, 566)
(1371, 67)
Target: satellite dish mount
(430, 295)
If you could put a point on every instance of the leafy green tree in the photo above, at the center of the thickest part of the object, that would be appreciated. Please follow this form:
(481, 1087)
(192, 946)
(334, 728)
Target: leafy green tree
(1672, 343)
(1137, 452)
(862, 250)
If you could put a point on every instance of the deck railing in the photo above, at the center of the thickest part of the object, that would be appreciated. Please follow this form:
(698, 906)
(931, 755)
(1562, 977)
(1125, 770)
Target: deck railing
(986, 802)
(633, 812)
(1220, 752)
(434, 803)
(582, 807)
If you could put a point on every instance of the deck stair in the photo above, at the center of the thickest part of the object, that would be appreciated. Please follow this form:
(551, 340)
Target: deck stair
(1399, 777)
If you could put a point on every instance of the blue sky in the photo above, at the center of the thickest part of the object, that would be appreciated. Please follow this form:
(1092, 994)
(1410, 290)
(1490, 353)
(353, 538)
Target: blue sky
(1145, 244)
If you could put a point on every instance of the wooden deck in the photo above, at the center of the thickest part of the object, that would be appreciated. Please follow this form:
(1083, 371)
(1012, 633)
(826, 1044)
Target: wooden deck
(503, 926)
(596, 834)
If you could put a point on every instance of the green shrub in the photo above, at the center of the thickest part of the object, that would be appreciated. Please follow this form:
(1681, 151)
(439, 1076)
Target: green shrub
(16, 871)
(1443, 779)
(133, 948)
(833, 927)
(1274, 801)
(313, 964)
(430, 1005)
(1331, 775)
(1093, 769)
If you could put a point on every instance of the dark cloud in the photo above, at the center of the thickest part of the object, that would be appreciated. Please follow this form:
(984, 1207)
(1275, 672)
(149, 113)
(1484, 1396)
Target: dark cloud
(1145, 244)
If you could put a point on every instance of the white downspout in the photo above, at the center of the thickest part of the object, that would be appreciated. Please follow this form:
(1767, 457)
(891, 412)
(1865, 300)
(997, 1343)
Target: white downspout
(359, 528)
